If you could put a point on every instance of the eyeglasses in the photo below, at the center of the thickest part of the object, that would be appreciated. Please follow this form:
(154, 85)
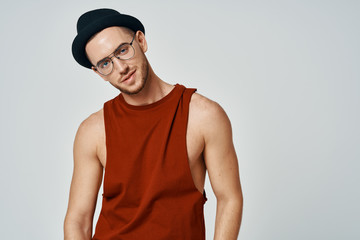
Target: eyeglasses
(125, 51)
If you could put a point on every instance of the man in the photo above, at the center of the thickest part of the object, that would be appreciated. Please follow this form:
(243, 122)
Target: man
(154, 142)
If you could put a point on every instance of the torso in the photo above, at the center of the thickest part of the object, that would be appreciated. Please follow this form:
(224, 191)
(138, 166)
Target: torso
(194, 141)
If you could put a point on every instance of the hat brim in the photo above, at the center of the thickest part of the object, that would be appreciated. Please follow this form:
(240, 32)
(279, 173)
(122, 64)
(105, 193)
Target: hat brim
(79, 43)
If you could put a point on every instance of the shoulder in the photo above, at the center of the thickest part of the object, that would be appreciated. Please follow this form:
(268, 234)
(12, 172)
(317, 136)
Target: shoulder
(205, 106)
(91, 130)
(94, 122)
(209, 114)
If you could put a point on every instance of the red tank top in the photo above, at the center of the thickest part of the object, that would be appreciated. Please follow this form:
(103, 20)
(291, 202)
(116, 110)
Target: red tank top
(148, 189)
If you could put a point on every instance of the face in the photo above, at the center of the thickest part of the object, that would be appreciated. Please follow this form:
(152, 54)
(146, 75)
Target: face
(129, 76)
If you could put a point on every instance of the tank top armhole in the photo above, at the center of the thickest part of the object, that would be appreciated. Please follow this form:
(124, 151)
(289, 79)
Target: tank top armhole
(191, 92)
(187, 97)
(106, 115)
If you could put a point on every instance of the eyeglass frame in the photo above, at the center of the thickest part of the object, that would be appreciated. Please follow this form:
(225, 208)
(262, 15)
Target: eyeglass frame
(121, 45)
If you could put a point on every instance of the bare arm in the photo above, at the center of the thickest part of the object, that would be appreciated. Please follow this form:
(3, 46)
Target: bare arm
(222, 165)
(85, 184)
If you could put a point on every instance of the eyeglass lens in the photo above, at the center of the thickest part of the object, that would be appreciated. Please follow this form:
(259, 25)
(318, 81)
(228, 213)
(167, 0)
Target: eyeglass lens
(126, 51)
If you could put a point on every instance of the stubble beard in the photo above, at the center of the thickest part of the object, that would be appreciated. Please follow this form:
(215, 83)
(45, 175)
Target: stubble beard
(143, 80)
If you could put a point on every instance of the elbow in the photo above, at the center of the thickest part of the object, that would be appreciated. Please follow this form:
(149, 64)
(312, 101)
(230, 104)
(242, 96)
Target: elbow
(236, 200)
(75, 229)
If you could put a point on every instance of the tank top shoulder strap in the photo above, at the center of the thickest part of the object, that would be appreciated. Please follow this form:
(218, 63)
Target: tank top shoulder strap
(187, 95)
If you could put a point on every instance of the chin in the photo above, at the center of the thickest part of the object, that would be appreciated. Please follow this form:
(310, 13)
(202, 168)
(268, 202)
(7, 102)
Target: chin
(133, 89)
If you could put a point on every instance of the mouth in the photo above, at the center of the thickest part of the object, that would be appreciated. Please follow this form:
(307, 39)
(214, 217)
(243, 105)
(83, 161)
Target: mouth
(128, 76)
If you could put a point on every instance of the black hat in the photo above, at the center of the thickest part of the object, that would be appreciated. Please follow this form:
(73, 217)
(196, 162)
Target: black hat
(94, 21)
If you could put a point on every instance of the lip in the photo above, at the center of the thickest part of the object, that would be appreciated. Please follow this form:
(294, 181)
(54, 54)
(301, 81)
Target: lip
(128, 76)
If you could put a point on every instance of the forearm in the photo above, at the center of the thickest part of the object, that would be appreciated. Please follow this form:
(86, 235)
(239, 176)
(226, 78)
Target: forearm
(228, 219)
(76, 231)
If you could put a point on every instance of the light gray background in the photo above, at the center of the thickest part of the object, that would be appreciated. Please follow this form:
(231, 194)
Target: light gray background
(286, 73)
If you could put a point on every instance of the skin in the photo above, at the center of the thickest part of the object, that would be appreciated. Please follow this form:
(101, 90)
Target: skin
(209, 140)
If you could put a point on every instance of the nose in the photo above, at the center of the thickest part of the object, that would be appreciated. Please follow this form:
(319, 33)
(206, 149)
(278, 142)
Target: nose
(120, 65)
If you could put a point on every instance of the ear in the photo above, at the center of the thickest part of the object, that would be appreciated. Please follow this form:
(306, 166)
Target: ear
(141, 40)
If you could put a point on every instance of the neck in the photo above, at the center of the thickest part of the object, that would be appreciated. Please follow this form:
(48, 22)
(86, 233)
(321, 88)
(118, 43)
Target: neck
(154, 90)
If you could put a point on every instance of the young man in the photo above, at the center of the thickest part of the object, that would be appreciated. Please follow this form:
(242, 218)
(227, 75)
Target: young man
(154, 142)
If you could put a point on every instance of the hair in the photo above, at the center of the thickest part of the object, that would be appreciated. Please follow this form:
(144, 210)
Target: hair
(126, 29)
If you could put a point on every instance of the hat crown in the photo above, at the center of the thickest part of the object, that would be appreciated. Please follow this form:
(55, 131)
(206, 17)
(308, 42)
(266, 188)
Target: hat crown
(92, 16)
(94, 21)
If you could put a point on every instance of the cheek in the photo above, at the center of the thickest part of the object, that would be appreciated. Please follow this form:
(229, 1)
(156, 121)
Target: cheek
(141, 63)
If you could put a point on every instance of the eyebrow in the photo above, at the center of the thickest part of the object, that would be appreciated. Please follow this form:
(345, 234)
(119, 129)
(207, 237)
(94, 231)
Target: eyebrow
(110, 53)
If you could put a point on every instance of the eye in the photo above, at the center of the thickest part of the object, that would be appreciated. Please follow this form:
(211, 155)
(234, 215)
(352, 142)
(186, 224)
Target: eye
(105, 64)
(123, 50)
